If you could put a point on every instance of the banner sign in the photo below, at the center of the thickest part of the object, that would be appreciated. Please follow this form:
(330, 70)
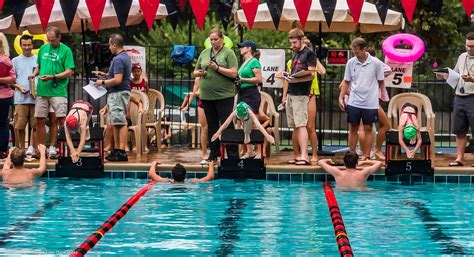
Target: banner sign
(273, 61)
(401, 76)
(137, 54)
(337, 57)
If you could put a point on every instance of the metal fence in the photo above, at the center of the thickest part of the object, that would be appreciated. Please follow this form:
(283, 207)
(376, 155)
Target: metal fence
(174, 81)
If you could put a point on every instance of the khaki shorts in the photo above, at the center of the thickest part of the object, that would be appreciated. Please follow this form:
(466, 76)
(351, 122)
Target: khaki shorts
(297, 110)
(117, 104)
(24, 114)
(43, 103)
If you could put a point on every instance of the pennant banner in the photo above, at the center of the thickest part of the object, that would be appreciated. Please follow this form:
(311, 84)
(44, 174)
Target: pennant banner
(250, 8)
(69, 8)
(302, 8)
(44, 8)
(275, 7)
(409, 7)
(224, 11)
(436, 6)
(181, 4)
(149, 9)
(355, 7)
(96, 9)
(17, 7)
(1, 4)
(173, 12)
(382, 9)
(199, 8)
(468, 5)
(122, 9)
(328, 7)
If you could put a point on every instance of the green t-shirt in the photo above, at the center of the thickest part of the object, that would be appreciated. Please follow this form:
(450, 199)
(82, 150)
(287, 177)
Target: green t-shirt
(53, 61)
(214, 85)
(246, 71)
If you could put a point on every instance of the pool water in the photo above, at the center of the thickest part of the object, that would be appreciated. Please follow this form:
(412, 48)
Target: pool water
(226, 217)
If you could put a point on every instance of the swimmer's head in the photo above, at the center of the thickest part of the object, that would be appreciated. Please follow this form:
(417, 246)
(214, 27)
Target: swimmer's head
(242, 110)
(409, 132)
(17, 157)
(350, 159)
(178, 173)
(72, 124)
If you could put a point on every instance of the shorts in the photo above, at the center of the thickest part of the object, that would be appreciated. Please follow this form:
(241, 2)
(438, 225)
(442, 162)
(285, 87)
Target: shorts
(117, 104)
(250, 96)
(24, 114)
(199, 102)
(297, 110)
(463, 114)
(43, 103)
(355, 114)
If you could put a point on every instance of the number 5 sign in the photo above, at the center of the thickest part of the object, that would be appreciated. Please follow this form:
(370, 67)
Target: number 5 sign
(272, 61)
(401, 76)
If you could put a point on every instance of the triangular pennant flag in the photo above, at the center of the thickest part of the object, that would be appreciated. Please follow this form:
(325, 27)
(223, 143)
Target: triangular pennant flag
(44, 7)
(355, 7)
(409, 7)
(69, 8)
(436, 6)
(468, 5)
(96, 9)
(276, 8)
(181, 4)
(382, 9)
(122, 9)
(173, 12)
(302, 8)
(250, 8)
(17, 8)
(224, 10)
(200, 8)
(328, 7)
(149, 9)
(1, 4)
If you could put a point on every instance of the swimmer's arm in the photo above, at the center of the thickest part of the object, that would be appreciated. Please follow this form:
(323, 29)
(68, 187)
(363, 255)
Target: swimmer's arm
(155, 177)
(68, 139)
(208, 177)
(38, 172)
(418, 142)
(261, 128)
(374, 166)
(326, 166)
(224, 126)
(400, 139)
(82, 141)
(7, 164)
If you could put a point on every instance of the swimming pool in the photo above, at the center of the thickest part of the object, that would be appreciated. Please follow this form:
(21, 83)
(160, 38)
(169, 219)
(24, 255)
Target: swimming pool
(227, 217)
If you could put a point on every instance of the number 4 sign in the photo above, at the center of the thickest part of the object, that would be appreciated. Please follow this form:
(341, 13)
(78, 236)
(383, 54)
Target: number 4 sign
(272, 61)
(401, 76)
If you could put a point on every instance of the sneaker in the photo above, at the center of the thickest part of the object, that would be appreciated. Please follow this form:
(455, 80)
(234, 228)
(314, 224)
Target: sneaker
(204, 162)
(372, 155)
(111, 156)
(359, 152)
(121, 156)
(257, 157)
(30, 151)
(52, 152)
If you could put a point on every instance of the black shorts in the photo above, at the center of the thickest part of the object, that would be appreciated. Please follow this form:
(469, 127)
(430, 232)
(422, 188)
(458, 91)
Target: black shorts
(463, 114)
(355, 114)
(250, 96)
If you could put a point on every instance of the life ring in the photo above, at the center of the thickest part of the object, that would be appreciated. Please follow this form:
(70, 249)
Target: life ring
(416, 51)
(39, 37)
(227, 42)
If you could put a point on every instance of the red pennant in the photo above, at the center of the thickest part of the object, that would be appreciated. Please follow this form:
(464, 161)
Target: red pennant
(409, 7)
(302, 8)
(1, 4)
(149, 8)
(181, 4)
(44, 7)
(200, 8)
(250, 8)
(468, 5)
(96, 9)
(355, 7)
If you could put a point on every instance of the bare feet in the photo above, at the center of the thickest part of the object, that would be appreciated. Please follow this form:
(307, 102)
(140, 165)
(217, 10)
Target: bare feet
(314, 159)
(379, 154)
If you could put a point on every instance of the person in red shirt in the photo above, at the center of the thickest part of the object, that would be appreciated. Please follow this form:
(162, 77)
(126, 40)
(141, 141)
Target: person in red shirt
(137, 82)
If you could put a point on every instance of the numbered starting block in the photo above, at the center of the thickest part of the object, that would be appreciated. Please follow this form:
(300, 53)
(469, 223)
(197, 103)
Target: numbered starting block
(398, 164)
(86, 167)
(96, 140)
(241, 168)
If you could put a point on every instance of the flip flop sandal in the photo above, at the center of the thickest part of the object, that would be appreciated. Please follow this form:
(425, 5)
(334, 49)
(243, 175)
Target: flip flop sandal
(302, 162)
(292, 161)
(456, 164)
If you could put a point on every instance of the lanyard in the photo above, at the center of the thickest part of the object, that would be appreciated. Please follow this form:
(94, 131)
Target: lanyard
(212, 57)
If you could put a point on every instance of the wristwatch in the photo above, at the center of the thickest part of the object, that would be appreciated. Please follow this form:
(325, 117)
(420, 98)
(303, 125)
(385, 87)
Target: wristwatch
(103, 82)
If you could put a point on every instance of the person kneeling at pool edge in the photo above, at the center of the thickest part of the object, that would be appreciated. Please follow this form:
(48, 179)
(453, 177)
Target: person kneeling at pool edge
(178, 174)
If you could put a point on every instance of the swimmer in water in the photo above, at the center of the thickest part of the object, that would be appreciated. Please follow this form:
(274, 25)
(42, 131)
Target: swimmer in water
(178, 174)
(13, 172)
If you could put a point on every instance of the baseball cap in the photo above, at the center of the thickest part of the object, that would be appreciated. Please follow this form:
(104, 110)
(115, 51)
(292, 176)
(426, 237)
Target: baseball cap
(72, 123)
(248, 43)
(136, 66)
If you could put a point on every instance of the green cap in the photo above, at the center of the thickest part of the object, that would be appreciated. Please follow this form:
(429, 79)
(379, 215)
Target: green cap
(242, 110)
(409, 132)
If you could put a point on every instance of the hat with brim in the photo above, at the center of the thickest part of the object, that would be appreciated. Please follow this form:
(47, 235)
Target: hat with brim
(248, 43)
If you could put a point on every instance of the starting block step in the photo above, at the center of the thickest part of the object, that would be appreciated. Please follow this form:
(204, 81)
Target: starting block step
(242, 169)
(236, 136)
(410, 167)
(86, 167)
(96, 134)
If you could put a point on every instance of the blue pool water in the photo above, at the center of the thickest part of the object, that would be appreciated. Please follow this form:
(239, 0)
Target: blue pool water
(227, 217)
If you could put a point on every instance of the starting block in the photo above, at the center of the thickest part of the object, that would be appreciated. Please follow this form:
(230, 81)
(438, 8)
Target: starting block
(96, 137)
(86, 167)
(396, 166)
(241, 168)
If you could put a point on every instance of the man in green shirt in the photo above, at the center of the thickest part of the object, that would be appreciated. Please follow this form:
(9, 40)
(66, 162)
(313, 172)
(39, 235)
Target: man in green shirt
(55, 64)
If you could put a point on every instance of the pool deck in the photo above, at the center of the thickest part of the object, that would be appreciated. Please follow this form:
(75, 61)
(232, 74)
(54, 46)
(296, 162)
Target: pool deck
(190, 158)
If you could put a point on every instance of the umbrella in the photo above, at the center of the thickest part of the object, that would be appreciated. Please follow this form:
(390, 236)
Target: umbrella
(342, 21)
(32, 23)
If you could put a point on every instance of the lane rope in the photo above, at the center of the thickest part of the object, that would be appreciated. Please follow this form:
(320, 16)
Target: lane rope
(340, 232)
(95, 237)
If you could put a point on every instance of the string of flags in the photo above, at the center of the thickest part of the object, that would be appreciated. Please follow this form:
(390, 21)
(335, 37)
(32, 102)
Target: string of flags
(201, 7)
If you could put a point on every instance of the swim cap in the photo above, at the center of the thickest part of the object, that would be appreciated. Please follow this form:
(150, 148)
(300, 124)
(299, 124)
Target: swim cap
(242, 110)
(409, 132)
(71, 123)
